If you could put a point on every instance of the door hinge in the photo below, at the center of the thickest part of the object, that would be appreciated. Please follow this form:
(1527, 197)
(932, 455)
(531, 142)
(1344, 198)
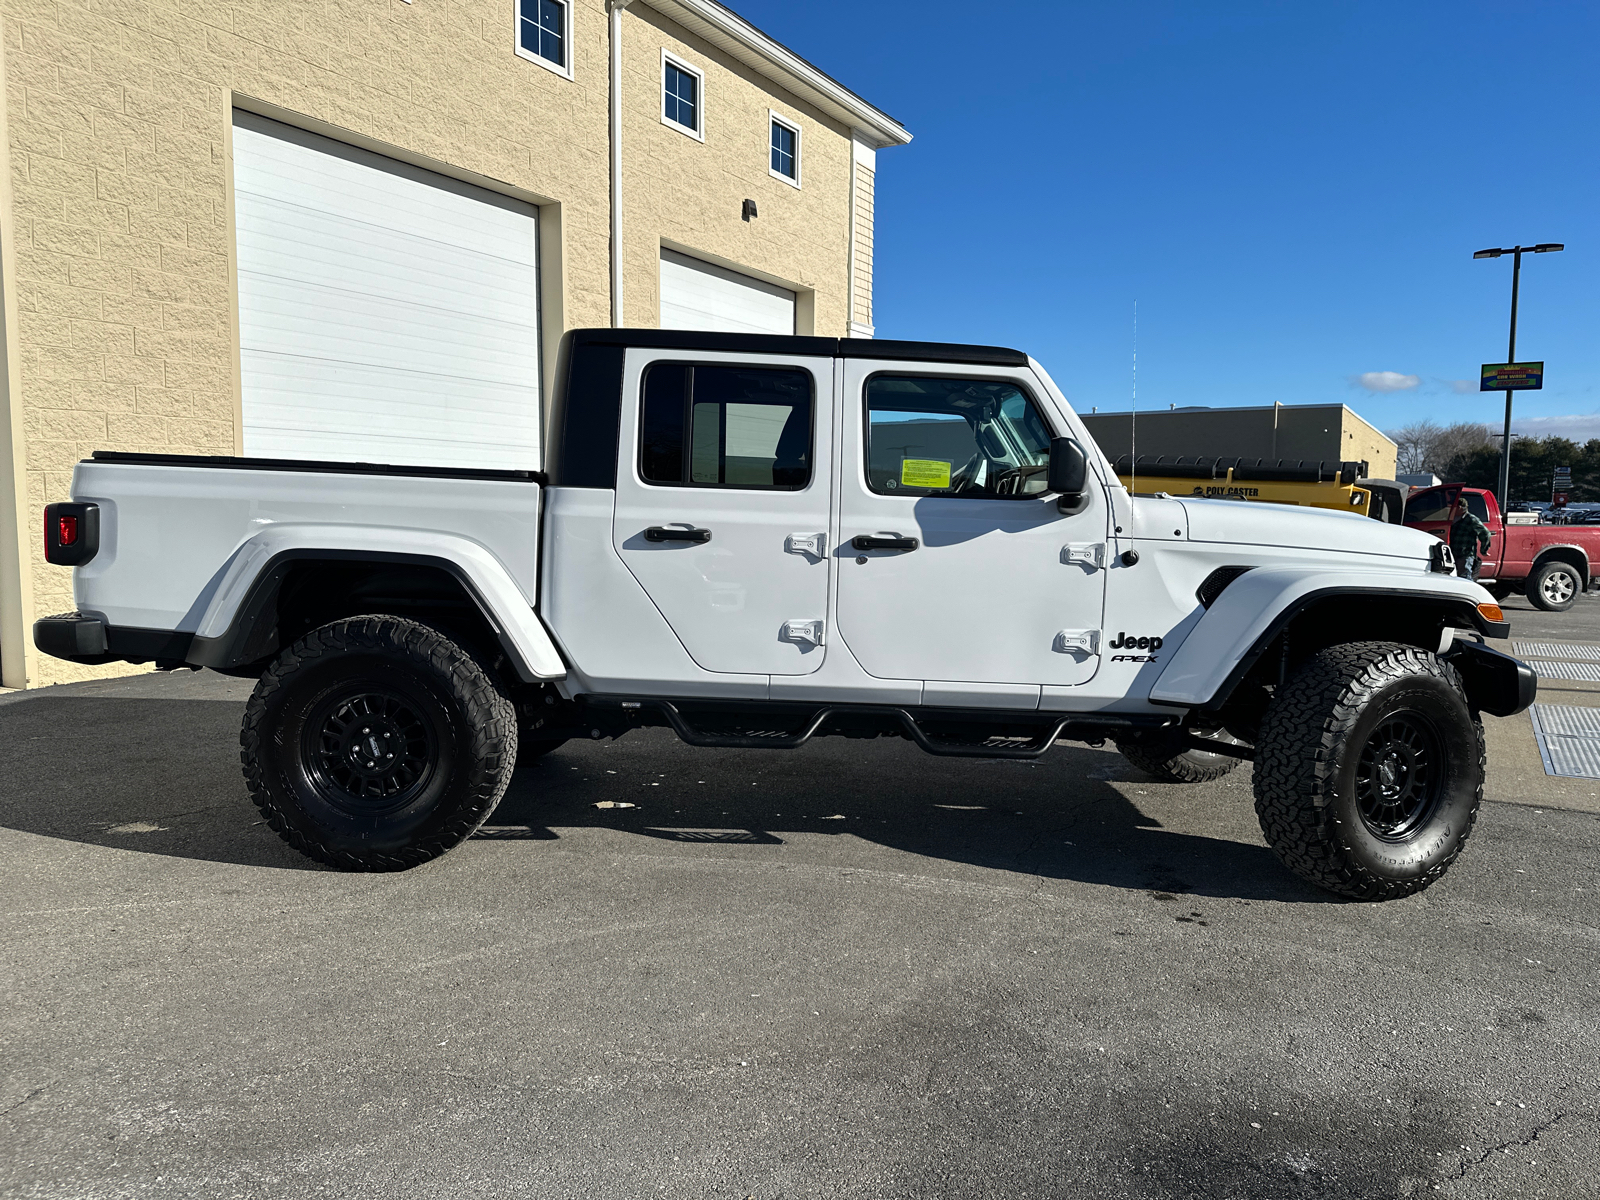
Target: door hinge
(1078, 641)
(808, 631)
(814, 544)
(1090, 554)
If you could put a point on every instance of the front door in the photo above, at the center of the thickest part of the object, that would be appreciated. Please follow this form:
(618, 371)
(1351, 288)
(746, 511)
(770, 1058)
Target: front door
(1431, 511)
(723, 504)
(968, 571)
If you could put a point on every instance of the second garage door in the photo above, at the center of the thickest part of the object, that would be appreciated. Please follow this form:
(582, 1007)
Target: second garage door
(387, 314)
(700, 295)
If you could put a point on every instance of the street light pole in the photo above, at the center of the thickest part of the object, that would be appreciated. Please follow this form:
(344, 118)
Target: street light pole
(1511, 357)
(1516, 253)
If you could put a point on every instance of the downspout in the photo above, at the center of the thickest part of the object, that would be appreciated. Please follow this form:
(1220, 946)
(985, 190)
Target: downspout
(615, 7)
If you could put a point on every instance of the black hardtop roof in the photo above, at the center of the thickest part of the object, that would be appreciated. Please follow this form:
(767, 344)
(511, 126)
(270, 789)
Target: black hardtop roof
(817, 347)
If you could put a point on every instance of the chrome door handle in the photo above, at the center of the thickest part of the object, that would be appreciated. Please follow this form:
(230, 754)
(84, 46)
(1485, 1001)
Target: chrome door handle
(866, 542)
(663, 533)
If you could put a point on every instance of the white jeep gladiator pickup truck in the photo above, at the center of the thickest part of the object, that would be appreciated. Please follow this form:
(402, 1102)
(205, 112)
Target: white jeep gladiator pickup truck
(758, 540)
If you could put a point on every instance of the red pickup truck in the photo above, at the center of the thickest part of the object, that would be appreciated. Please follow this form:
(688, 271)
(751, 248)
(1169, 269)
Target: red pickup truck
(1551, 564)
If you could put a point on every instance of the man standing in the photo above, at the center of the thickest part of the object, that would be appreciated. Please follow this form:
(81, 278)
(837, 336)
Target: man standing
(1469, 538)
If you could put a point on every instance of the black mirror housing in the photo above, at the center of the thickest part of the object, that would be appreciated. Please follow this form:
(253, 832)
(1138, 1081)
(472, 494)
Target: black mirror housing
(1069, 470)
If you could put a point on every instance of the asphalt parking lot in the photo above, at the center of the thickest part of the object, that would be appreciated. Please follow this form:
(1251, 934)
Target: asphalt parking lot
(846, 971)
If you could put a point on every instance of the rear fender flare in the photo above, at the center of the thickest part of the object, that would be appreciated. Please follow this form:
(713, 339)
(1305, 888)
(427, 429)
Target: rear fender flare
(1565, 551)
(230, 631)
(1255, 608)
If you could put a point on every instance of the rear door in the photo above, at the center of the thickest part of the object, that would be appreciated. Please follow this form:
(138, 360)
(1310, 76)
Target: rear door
(723, 503)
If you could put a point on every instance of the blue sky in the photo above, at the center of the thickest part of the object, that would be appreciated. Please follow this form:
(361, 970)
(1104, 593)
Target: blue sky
(1291, 192)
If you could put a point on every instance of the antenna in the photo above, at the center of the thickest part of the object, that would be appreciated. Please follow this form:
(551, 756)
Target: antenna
(1133, 428)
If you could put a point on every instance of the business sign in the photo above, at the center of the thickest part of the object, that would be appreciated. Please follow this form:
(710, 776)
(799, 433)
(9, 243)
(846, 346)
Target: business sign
(1511, 377)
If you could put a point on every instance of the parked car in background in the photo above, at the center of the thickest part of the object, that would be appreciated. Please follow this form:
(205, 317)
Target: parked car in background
(1551, 564)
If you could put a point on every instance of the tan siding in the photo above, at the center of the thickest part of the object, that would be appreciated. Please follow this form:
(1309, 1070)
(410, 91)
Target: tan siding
(118, 136)
(861, 285)
(689, 194)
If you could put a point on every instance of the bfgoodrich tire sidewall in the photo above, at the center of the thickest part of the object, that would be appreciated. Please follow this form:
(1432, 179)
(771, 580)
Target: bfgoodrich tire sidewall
(1440, 835)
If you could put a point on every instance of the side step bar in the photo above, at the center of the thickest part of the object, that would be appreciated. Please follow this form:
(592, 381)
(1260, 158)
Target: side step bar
(1047, 731)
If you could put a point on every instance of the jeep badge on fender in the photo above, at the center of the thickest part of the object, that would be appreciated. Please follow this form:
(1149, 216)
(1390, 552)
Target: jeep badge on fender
(1124, 642)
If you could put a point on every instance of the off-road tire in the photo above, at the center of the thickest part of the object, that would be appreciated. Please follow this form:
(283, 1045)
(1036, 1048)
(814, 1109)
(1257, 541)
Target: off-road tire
(1172, 761)
(1324, 801)
(454, 730)
(1555, 587)
(531, 749)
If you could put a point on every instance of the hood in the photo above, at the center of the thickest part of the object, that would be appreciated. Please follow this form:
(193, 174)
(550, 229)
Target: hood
(1246, 523)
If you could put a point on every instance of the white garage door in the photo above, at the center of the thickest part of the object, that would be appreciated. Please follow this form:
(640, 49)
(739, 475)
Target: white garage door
(387, 314)
(698, 295)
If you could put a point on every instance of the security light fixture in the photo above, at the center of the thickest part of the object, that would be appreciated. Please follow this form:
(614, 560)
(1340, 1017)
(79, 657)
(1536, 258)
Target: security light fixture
(1541, 248)
(749, 210)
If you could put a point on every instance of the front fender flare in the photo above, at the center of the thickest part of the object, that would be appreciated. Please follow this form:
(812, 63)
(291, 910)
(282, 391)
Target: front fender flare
(1256, 607)
(228, 630)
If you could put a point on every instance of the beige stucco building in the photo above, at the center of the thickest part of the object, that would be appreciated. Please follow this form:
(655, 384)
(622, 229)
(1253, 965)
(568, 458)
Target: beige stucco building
(1299, 432)
(173, 253)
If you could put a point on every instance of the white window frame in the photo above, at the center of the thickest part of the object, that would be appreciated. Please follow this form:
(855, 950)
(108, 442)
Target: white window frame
(516, 38)
(777, 118)
(699, 134)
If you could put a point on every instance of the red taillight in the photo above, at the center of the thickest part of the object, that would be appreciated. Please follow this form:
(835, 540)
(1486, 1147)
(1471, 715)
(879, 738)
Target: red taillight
(67, 530)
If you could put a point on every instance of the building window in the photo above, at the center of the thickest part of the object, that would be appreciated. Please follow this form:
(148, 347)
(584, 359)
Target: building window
(682, 96)
(544, 33)
(785, 161)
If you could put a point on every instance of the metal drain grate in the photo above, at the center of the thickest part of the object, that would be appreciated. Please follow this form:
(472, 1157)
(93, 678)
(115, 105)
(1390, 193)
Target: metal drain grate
(1566, 720)
(1567, 670)
(1584, 651)
(1569, 739)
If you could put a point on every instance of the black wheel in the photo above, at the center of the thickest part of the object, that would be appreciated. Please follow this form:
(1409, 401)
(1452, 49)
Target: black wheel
(375, 744)
(530, 749)
(1369, 771)
(1170, 760)
(1554, 586)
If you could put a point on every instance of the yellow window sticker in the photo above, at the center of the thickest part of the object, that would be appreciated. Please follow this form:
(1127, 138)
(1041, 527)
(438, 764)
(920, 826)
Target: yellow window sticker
(924, 473)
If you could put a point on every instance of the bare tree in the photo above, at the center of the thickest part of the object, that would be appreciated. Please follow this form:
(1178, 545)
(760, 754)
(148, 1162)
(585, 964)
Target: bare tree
(1427, 446)
(1413, 443)
(1461, 438)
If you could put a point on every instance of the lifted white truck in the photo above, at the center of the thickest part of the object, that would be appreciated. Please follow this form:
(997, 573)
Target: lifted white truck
(760, 540)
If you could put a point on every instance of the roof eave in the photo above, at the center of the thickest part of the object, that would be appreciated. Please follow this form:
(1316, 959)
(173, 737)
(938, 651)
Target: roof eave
(731, 33)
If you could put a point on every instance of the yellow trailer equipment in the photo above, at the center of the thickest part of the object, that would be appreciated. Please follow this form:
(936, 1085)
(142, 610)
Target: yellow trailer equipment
(1340, 485)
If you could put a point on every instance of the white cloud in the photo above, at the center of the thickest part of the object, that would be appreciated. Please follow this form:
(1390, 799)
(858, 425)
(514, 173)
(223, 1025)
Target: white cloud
(1578, 427)
(1463, 387)
(1387, 381)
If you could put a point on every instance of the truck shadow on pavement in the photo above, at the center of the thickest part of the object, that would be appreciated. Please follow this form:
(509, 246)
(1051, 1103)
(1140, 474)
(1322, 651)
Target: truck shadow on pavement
(161, 776)
(1058, 817)
(147, 775)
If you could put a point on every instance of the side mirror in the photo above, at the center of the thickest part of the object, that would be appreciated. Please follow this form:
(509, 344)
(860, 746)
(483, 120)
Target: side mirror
(1069, 471)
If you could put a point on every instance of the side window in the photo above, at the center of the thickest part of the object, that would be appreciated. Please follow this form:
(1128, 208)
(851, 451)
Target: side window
(975, 438)
(1430, 506)
(721, 426)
